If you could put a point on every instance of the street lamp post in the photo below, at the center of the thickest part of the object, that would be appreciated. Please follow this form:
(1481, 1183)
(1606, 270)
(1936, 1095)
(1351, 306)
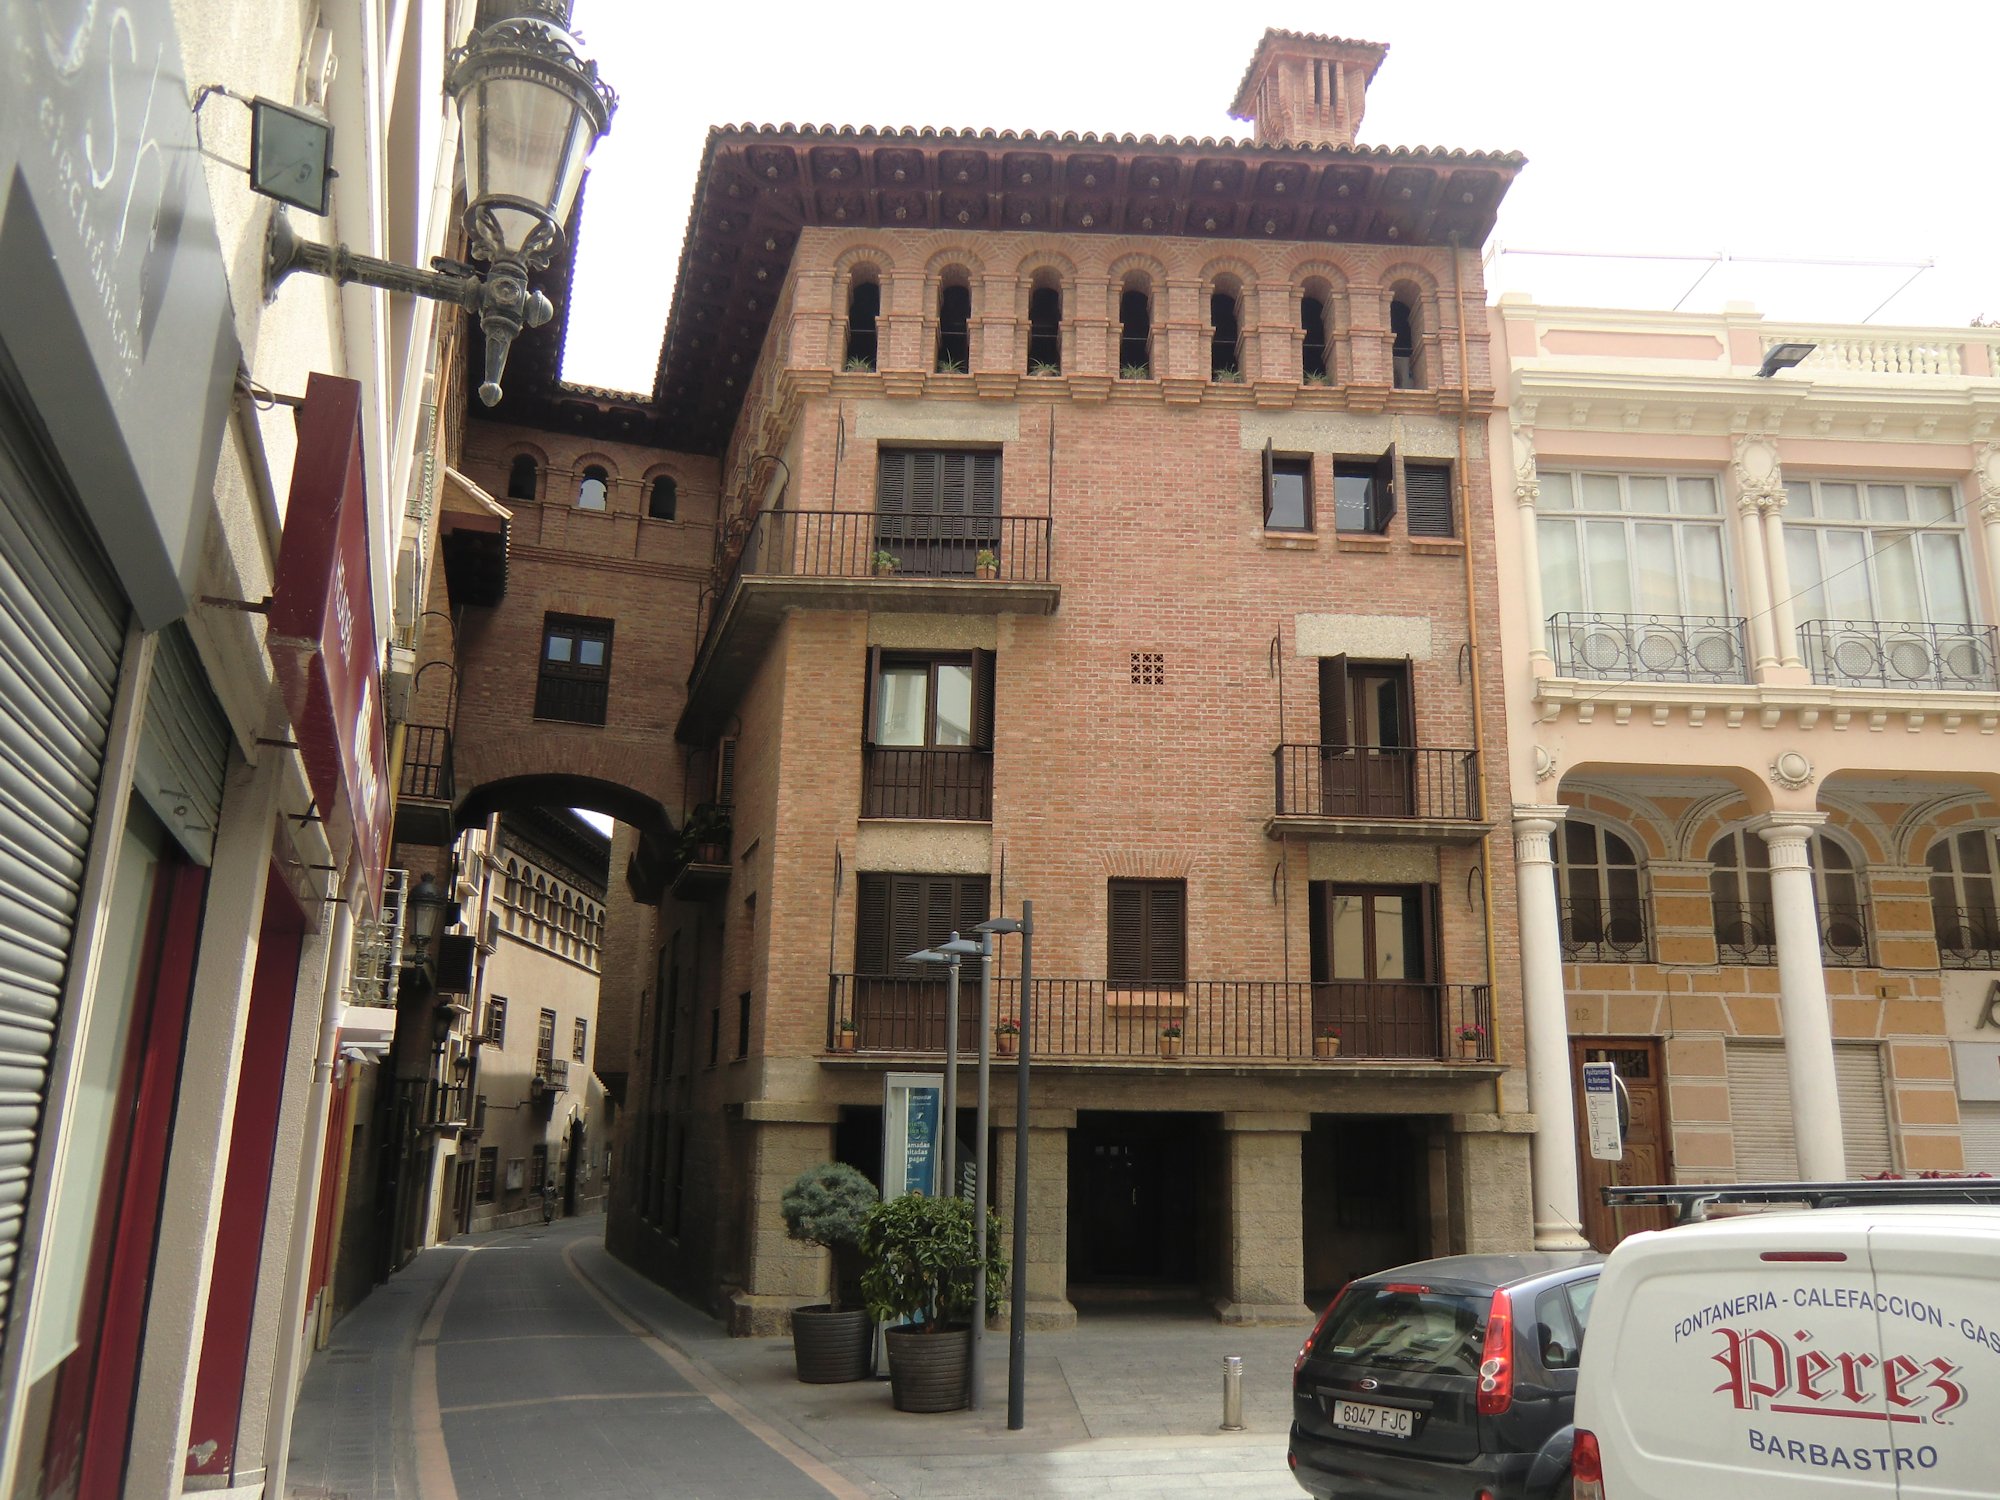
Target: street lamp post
(1017, 1322)
(983, 951)
(945, 1180)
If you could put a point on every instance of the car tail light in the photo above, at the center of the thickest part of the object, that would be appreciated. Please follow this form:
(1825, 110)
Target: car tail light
(1313, 1337)
(1825, 1256)
(1586, 1467)
(1407, 1288)
(1496, 1360)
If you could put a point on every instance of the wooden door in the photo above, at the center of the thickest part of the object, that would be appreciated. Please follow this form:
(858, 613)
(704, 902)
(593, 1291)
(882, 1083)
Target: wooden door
(1647, 1159)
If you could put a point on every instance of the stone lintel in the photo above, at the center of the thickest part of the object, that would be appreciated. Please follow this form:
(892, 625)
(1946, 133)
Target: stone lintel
(1298, 1123)
(792, 1111)
(1493, 1124)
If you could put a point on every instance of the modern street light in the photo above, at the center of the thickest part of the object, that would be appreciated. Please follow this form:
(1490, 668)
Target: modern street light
(948, 1147)
(1783, 357)
(1017, 1321)
(530, 107)
(983, 951)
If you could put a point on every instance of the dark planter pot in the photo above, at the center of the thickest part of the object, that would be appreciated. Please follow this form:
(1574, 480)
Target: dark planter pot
(929, 1371)
(831, 1347)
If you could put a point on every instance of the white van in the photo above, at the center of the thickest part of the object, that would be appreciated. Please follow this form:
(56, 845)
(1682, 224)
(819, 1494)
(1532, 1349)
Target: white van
(1832, 1352)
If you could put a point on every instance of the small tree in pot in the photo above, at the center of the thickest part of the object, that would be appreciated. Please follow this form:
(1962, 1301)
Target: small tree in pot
(827, 1206)
(921, 1258)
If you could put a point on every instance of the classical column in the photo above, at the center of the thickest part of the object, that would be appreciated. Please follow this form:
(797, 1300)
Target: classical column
(1802, 998)
(1266, 1275)
(1755, 469)
(1528, 497)
(1986, 471)
(1784, 619)
(1558, 1207)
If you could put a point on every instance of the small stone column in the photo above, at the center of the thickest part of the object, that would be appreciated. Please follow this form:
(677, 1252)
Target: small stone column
(1986, 472)
(1048, 1213)
(1264, 1155)
(1558, 1209)
(1756, 582)
(1802, 997)
(1784, 619)
(1528, 499)
(1754, 469)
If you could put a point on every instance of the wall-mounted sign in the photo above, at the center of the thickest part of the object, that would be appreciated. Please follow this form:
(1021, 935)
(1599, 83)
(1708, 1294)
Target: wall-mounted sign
(1978, 1069)
(322, 638)
(1600, 1111)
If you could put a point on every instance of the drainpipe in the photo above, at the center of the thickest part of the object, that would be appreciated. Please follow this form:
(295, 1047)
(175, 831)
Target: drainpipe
(1472, 649)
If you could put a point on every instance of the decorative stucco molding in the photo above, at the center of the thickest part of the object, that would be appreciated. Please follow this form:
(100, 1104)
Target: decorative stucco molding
(1527, 477)
(1791, 769)
(1759, 481)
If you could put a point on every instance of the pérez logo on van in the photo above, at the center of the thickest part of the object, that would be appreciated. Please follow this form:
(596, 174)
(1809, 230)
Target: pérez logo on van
(1771, 1364)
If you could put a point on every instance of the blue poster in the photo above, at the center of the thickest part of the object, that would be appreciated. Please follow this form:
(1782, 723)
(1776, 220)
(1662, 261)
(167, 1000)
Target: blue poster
(912, 1107)
(920, 1141)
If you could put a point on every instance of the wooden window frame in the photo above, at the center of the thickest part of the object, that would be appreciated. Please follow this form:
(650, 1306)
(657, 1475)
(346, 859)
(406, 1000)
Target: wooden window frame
(1422, 514)
(1380, 510)
(1145, 934)
(568, 692)
(486, 1176)
(579, 1041)
(1299, 465)
(894, 908)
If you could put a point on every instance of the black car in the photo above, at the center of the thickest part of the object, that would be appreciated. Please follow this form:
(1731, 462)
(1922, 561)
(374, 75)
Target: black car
(1452, 1377)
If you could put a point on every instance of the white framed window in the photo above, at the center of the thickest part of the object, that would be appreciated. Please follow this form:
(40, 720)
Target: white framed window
(1632, 544)
(1868, 551)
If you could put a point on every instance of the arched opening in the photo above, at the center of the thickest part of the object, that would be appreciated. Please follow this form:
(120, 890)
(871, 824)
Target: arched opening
(595, 491)
(1597, 888)
(1740, 887)
(954, 331)
(1045, 328)
(1406, 334)
(864, 306)
(1135, 331)
(1225, 340)
(646, 873)
(662, 499)
(1965, 899)
(523, 477)
(1314, 365)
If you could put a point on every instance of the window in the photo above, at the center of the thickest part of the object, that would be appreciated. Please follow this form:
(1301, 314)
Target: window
(496, 1020)
(1965, 899)
(523, 477)
(1313, 366)
(538, 1169)
(1135, 332)
(1557, 1338)
(1225, 343)
(1427, 504)
(1367, 732)
(595, 490)
(864, 305)
(1406, 339)
(1045, 330)
(545, 1043)
(662, 499)
(1888, 552)
(1146, 933)
(1740, 886)
(928, 739)
(1374, 954)
(897, 915)
(575, 670)
(1597, 886)
(489, 1168)
(1364, 495)
(936, 510)
(1287, 491)
(954, 333)
(579, 1040)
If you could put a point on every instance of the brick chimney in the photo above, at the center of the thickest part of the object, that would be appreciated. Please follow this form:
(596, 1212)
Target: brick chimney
(1301, 89)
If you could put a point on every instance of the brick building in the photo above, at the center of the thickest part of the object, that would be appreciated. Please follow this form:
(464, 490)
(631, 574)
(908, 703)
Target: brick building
(1093, 520)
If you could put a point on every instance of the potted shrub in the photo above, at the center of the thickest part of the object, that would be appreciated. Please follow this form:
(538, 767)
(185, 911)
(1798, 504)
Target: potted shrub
(987, 563)
(1170, 1039)
(1326, 1042)
(920, 1267)
(826, 1206)
(884, 564)
(1471, 1039)
(844, 1034)
(1044, 367)
(705, 837)
(1006, 1038)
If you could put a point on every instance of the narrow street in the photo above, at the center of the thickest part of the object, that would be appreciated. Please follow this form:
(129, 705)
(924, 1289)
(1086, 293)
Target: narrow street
(528, 1363)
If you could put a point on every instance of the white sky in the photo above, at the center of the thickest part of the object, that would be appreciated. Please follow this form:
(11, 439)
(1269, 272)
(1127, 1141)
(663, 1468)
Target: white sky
(1794, 128)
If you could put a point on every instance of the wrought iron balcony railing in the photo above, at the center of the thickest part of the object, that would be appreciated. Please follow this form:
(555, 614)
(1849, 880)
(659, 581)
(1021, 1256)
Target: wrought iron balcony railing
(1746, 933)
(446, 1105)
(427, 769)
(1968, 937)
(1649, 648)
(926, 545)
(1884, 654)
(1376, 781)
(1217, 1020)
(901, 782)
(1604, 931)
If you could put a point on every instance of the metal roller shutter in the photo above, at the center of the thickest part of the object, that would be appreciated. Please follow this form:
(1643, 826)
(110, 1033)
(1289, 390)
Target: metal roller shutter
(1979, 1126)
(62, 630)
(1760, 1108)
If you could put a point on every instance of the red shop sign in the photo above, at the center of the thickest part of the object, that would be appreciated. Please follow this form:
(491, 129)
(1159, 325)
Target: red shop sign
(322, 638)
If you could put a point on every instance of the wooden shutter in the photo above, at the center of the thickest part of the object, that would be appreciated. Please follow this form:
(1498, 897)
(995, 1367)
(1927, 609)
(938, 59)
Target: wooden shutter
(985, 484)
(954, 486)
(1267, 479)
(868, 689)
(971, 900)
(1428, 490)
(925, 481)
(982, 702)
(1428, 948)
(1166, 932)
(1383, 496)
(725, 770)
(871, 924)
(1406, 702)
(893, 500)
(1125, 930)
(907, 921)
(1333, 701)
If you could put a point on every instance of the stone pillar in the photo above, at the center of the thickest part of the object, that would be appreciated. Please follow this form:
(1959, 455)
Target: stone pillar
(779, 1273)
(1986, 473)
(1528, 498)
(1558, 1210)
(1264, 1154)
(1756, 582)
(1754, 470)
(1802, 998)
(1784, 619)
(1048, 1213)
(1492, 1183)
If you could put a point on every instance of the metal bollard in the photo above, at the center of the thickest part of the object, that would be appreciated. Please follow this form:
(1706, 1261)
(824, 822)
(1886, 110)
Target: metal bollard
(1232, 1393)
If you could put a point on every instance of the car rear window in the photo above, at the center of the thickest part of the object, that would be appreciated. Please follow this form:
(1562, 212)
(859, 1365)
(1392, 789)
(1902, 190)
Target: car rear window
(1429, 1331)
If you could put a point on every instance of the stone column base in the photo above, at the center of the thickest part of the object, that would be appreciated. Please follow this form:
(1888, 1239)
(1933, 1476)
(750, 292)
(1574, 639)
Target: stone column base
(1256, 1314)
(1044, 1315)
(762, 1317)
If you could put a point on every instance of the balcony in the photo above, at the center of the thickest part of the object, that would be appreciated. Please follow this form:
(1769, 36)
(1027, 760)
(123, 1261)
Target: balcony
(701, 859)
(1746, 933)
(1649, 648)
(1604, 932)
(952, 784)
(427, 789)
(1221, 1021)
(922, 563)
(446, 1107)
(1377, 792)
(1882, 654)
(1968, 938)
